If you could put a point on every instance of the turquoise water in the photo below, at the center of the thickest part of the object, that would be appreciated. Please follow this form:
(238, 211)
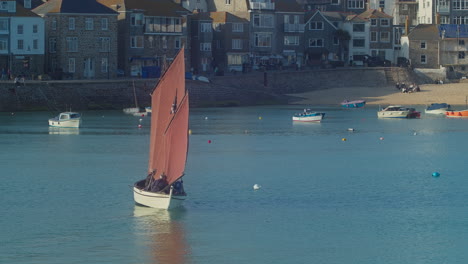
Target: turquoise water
(66, 196)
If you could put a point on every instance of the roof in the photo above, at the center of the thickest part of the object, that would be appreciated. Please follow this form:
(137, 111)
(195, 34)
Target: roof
(226, 17)
(288, 6)
(201, 16)
(373, 13)
(20, 12)
(355, 18)
(453, 31)
(336, 16)
(424, 32)
(156, 7)
(73, 7)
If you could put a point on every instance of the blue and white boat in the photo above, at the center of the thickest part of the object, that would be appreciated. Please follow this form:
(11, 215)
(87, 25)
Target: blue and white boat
(438, 108)
(353, 104)
(66, 119)
(308, 116)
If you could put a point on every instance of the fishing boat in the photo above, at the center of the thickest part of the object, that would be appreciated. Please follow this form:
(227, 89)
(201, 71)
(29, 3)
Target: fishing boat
(308, 116)
(66, 119)
(148, 110)
(397, 111)
(457, 114)
(438, 108)
(163, 186)
(353, 104)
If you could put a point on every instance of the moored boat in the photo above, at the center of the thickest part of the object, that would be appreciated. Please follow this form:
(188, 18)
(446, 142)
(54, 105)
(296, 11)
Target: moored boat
(353, 104)
(163, 186)
(438, 108)
(308, 116)
(457, 114)
(397, 111)
(66, 119)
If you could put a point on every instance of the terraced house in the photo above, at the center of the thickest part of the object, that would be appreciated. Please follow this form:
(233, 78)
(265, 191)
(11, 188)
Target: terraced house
(21, 41)
(81, 39)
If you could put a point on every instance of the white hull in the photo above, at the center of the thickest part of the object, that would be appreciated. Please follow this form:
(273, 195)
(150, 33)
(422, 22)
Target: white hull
(75, 123)
(308, 118)
(392, 114)
(157, 200)
(131, 110)
(437, 111)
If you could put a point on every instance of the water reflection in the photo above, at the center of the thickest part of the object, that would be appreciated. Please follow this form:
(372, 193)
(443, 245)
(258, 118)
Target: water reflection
(63, 131)
(163, 233)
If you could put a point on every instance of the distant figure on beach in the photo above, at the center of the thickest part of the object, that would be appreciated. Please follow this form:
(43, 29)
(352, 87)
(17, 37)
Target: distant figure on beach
(4, 74)
(17, 81)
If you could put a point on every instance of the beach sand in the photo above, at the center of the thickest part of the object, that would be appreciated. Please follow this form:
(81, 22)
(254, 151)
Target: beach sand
(454, 94)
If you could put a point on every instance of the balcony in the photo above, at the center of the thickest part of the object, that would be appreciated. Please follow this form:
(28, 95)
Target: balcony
(294, 27)
(443, 9)
(257, 5)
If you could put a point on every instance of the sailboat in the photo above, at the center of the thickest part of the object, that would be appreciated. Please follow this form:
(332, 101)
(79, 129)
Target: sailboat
(163, 186)
(133, 110)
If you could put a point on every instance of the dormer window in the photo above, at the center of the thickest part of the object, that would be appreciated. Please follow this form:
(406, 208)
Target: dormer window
(27, 4)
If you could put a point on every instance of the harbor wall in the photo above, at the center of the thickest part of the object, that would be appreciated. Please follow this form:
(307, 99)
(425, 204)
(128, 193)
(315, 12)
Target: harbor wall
(242, 89)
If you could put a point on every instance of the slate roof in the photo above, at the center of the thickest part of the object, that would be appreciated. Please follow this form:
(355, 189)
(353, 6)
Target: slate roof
(73, 7)
(373, 13)
(156, 7)
(20, 12)
(424, 32)
(226, 17)
(288, 6)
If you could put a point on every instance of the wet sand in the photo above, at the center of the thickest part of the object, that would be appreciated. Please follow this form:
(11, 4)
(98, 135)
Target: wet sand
(454, 94)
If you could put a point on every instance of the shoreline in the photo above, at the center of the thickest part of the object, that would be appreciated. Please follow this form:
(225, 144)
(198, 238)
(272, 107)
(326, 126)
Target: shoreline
(455, 94)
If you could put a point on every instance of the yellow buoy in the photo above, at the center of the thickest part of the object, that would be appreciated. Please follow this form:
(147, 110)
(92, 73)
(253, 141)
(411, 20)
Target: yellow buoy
(343, 139)
(260, 117)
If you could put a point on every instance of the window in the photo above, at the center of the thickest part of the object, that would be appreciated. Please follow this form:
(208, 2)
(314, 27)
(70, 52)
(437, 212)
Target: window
(3, 24)
(227, 2)
(404, 7)
(104, 44)
(461, 42)
(52, 45)
(359, 43)
(316, 25)
(336, 40)
(373, 36)
(71, 23)
(72, 44)
(35, 44)
(384, 36)
(262, 39)
(89, 23)
(423, 59)
(177, 43)
(355, 4)
(237, 27)
(460, 4)
(286, 19)
(461, 54)
(164, 42)
(315, 42)
(53, 24)
(384, 22)
(104, 24)
(205, 46)
(235, 59)
(136, 19)
(460, 20)
(20, 29)
(237, 44)
(104, 64)
(20, 44)
(358, 27)
(382, 3)
(291, 40)
(35, 28)
(162, 24)
(3, 45)
(335, 2)
(205, 27)
(136, 42)
(71, 65)
(217, 27)
(263, 20)
(423, 45)
(27, 4)
(373, 22)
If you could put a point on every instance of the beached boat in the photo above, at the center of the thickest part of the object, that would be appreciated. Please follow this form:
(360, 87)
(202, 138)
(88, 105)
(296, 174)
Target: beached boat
(308, 116)
(457, 114)
(163, 186)
(353, 104)
(397, 111)
(148, 110)
(136, 111)
(438, 108)
(66, 119)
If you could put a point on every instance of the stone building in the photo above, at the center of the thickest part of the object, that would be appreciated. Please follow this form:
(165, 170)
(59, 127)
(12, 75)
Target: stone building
(81, 39)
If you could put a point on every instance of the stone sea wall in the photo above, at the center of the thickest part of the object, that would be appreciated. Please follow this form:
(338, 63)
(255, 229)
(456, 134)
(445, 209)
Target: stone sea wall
(232, 90)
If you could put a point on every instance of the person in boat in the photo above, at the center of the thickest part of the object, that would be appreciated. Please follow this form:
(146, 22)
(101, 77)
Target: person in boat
(159, 184)
(179, 187)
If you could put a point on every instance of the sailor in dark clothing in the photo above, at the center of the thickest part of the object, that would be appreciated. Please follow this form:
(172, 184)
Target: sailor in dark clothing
(160, 184)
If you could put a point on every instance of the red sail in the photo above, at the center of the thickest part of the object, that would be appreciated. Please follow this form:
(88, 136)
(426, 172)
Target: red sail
(166, 102)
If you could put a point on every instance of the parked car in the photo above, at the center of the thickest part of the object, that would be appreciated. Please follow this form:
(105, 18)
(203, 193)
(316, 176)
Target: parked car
(374, 61)
(403, 62)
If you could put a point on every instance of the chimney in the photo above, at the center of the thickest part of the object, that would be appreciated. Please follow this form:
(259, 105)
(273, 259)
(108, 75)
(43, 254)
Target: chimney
(407, 26)
(381, 9)
(367, 5)
(437, 19)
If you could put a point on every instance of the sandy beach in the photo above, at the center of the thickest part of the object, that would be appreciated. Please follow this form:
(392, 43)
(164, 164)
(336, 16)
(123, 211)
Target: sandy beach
(454, 94)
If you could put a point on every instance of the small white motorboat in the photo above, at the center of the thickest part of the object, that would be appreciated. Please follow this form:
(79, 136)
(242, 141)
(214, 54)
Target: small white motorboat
(397, 111)
(66, 119)
(308, 116)
(438, 108)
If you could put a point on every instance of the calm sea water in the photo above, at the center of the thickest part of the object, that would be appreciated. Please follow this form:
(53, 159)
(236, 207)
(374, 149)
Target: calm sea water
(66, 196)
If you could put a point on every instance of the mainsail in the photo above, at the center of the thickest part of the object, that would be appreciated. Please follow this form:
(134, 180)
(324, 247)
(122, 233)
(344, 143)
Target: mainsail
(169, 123)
